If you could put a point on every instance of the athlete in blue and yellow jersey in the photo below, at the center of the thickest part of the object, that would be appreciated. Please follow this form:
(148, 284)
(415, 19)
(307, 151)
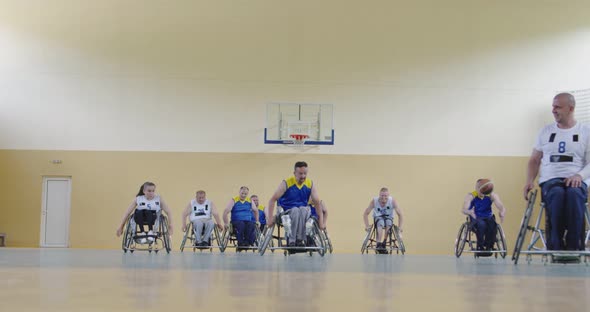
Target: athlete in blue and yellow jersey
(478, 206)
(242, 208)
(261, 215)
(293, 195)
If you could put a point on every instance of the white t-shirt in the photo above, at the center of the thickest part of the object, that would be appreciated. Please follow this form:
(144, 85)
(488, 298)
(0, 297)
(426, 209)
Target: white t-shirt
(565, 151)
(145, 204)
(385, 210)
(200, 211)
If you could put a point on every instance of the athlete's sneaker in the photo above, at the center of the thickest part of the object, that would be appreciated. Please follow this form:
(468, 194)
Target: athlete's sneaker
(150, 237)
(142, 240)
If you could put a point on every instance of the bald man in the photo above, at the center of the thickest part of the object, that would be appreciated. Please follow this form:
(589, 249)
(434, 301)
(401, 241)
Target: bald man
(562, 156)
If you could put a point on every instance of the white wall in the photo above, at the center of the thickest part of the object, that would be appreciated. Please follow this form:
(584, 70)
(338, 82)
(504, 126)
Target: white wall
(406, 77)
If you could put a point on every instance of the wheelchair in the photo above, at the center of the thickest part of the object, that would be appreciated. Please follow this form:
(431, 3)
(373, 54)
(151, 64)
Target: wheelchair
(327, 240)
(538, 235)
(230, 240)
(467, 236)
(393, 240)
(190, 236)
(316, 242)
(132, 241)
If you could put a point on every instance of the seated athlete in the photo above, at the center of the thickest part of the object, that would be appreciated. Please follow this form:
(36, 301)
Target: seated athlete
(241, 208)
(261, 214)
(478, 206)
(146, 206)
(382, 208)
(200, 210)
(293, 195)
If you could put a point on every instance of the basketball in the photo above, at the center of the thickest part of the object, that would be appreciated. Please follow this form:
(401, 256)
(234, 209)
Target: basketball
(486, 186)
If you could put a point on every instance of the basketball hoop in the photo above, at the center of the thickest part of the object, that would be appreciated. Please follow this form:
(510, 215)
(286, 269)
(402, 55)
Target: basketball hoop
(298, 139)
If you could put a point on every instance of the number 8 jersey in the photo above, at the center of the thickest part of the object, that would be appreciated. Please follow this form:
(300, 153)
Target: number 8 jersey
(565, 151)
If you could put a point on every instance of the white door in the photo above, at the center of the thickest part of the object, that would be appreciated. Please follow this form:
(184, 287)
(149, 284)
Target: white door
(55, 213)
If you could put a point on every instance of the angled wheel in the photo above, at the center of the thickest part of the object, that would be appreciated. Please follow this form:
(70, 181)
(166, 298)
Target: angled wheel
(327, 241)
(501, 242)
(219, 238)
(189, 229)
(165, 234)
(258, 236)
(267, 240)
(523, 226)
(366, 240)
(127, 235)
(399, 240)
(461, 239)
(226, 237)
(318, 240)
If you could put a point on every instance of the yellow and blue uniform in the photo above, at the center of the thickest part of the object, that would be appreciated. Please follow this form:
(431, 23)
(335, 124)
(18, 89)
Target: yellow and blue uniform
(261, 218)
(242, 209)
(482, 206)
(241, 219)
(312, 209)
(484, 224)
(296, 195)
(261, 215)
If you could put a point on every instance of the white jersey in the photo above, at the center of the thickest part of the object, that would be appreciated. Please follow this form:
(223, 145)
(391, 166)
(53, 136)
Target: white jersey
(145, 204)
(200, 211)
(564, 151)
(385, 210)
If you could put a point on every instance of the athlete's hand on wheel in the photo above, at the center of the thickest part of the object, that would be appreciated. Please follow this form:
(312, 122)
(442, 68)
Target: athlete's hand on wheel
(574, 181)
(119, 232)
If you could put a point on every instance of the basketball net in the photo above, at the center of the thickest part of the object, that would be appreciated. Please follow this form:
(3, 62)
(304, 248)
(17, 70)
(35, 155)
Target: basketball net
(298, 140)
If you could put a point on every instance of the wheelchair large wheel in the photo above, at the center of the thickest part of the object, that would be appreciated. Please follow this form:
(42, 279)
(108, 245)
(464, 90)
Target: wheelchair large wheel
(327, 241)
(398, 239)
(165, 234)
(501, 242)
(318, 239)
(258, 236)
(524, 224)
(226, 237)
(219, 239)
(461, 239)
(127, 235)
(366, 240)
(189, 231)
(267, 239)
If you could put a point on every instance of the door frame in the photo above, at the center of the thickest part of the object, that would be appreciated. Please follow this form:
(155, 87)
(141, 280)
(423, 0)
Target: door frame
(46, 179)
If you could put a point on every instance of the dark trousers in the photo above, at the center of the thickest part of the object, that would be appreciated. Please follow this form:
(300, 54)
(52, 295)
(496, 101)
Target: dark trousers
(564, 210)
(485, 230)
(245, 233)
(144, 217)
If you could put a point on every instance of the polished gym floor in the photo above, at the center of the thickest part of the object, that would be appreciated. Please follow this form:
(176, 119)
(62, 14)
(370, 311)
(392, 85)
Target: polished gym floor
(109, 280)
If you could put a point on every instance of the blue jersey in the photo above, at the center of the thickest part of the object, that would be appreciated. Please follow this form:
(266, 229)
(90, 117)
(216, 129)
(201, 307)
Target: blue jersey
(296, 195)
(261, 215)
(242, 210)
(313, 211)
(481, 205)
